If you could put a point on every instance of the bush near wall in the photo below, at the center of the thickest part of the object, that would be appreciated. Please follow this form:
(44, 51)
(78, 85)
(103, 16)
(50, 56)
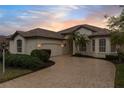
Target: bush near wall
(42, 54)
(121, 55)
(48, 51)
(116, 58)
(113, 58)
(23, 61)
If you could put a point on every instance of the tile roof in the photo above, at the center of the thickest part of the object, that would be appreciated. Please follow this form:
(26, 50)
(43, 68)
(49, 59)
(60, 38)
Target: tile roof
(39, 32)
(3, 39)
(96, 30)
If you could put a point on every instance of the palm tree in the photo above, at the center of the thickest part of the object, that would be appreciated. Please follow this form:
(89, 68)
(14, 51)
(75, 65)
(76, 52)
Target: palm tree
(78, 39)
(74, 38)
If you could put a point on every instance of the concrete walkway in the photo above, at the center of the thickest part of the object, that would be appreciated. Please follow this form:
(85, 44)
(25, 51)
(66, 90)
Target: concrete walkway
(69, 72)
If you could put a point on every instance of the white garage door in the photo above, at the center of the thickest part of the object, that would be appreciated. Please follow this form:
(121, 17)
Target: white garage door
(56, 49)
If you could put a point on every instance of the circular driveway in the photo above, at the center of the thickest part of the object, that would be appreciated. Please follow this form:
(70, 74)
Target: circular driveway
(74, 72)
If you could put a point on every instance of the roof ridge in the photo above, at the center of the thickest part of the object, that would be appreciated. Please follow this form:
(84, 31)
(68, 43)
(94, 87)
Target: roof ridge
(41, 29)
(69, 27)
(86, 26)
(39, 32)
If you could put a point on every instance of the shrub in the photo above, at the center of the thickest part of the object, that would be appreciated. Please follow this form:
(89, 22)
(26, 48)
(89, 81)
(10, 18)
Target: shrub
(121, 56)
(23, 61)
(1, 56)
(80, 55)
(48, 51)
(111, 57)
(41, 54)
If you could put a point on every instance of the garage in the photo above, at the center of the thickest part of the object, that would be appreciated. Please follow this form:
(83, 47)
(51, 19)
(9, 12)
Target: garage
(56, 49)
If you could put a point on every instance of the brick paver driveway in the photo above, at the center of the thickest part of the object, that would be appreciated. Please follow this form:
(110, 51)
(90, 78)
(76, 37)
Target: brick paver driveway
(69, 72)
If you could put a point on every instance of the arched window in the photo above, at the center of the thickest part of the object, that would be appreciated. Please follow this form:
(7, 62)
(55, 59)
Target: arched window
(19, 45)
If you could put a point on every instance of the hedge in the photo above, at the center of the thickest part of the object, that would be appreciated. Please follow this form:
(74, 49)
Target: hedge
(48, 51)
(112, 57)
(23, 61)
(42, 54)
(116, 58)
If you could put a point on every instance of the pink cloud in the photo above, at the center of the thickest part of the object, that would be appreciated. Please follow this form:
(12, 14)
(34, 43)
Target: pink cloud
(56, 19)
(57, 26)
(95, 18)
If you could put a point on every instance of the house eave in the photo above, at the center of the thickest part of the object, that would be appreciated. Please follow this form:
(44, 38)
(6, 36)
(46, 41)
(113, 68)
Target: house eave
(106, 35)
(29, 37)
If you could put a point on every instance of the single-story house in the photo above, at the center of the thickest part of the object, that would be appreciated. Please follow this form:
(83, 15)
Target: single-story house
(3, 39)
(98, 46)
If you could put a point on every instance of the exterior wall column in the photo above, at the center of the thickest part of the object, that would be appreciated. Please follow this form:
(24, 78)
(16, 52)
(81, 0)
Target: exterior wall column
(96, 46)
(108, 46)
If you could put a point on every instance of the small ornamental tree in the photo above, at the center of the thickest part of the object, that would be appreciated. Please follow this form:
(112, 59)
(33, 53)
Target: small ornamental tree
(78, 39)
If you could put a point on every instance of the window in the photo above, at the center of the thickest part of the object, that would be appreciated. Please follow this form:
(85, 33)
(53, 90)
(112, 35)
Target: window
(82, 47)
(102, 45)
(19, 45)
(93, 45)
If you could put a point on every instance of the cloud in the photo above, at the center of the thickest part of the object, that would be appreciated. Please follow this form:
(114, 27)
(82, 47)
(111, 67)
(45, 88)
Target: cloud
(57, 12)
(57, 17)
(46, 19)
(95, 17)
(57, 26)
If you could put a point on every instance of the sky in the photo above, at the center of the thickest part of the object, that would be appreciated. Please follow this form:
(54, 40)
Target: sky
(53, 17)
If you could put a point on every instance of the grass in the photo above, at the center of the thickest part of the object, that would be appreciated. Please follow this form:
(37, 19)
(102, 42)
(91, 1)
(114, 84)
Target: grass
(12, 73)
(119, 79)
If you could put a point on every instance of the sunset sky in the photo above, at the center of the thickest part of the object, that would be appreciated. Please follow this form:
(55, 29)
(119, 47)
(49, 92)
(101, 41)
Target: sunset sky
(54, 18)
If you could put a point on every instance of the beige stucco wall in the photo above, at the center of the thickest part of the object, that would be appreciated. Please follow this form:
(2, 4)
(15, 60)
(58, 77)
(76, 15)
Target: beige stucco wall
(96, 53)
(85, 31)
(31, 44)
(89, 51)
(54, 45)
(13, 46)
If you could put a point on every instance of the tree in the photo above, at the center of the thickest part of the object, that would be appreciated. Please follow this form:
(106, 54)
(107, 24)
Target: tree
(116, 25)
(78, 39)
(117, 39)
(74, 38)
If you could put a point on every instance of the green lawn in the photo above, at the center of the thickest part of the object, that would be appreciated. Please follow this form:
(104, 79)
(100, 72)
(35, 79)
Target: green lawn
(119, 80)
(12, 73)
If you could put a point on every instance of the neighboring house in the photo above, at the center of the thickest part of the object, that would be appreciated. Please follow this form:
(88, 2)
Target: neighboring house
(98, 46)
(3, 39)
